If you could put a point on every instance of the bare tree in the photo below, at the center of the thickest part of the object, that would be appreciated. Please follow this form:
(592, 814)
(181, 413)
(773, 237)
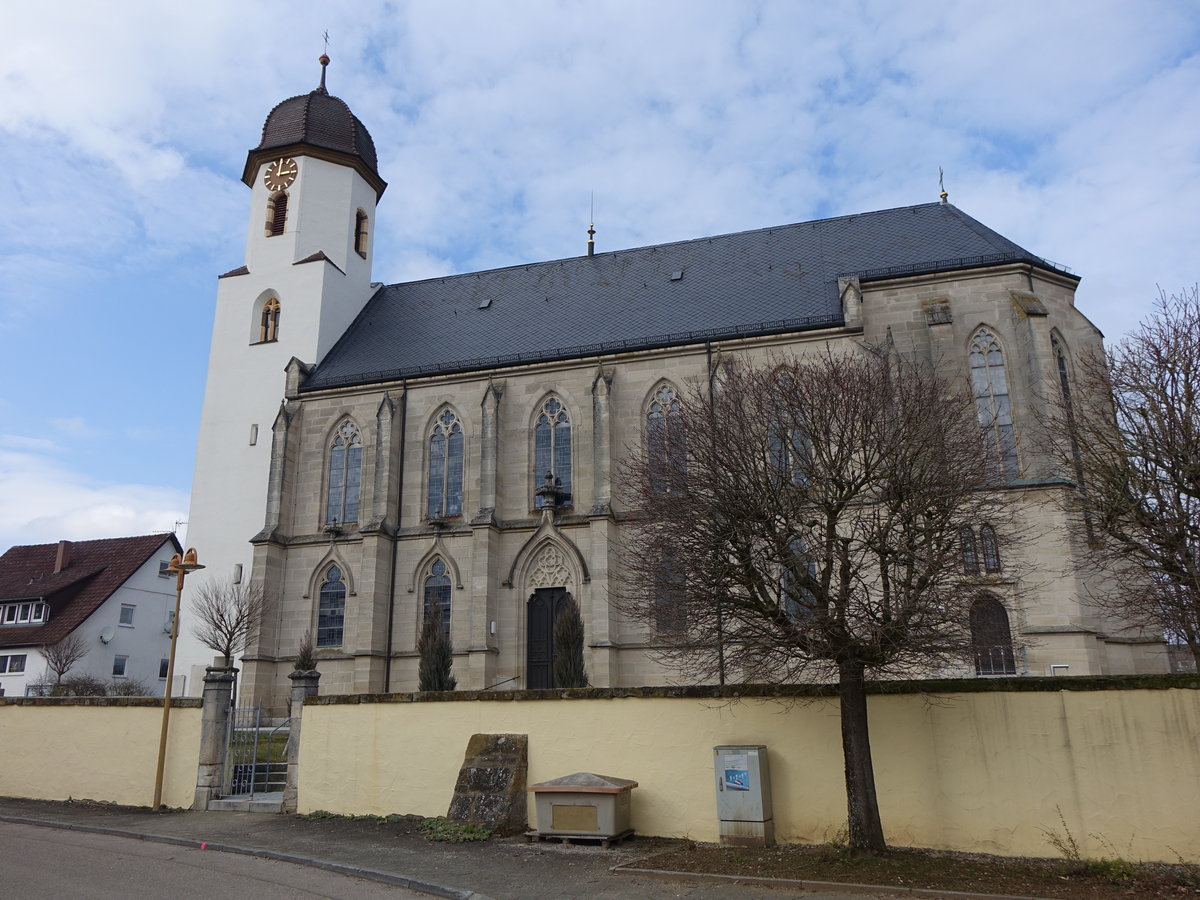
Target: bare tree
(802, 522)
(1128, 433)
(61, 657)
(227, 615)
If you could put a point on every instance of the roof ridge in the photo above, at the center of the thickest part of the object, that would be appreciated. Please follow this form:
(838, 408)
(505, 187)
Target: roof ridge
(711, 237)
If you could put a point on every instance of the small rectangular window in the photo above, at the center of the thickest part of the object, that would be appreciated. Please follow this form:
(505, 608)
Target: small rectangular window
(237, 573)
(10, 615)
(3, 664)
(16, 663)
(253, 435)
(127, 613)
(39, 612)
(164, 570)
(26, 612)
(163, 665)
(119, 663)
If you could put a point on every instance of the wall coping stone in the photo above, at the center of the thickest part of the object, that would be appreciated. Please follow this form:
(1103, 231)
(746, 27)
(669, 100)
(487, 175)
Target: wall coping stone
(1023, 684)
(156, 702)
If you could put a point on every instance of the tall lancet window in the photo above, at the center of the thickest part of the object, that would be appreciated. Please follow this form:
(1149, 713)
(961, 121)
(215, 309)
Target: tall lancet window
(331, 609)
(277, 214)
(445, 496)
(666, 447)
(268, 329)
(437, 595)
(990, 386)
(345, 475)
(552, 447)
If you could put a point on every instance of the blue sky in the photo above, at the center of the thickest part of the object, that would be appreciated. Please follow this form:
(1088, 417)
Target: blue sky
(124, 130)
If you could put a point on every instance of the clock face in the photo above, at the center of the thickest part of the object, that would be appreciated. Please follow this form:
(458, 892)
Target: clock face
(280, 174)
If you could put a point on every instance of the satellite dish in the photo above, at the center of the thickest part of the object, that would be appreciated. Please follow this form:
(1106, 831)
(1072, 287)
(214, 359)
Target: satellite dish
(106, 634)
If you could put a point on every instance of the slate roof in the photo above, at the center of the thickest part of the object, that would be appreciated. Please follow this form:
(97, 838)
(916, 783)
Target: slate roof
(321, 120)
(768, 281)
(95, 569)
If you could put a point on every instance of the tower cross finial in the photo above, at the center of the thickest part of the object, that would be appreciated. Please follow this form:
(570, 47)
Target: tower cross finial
(323, 59)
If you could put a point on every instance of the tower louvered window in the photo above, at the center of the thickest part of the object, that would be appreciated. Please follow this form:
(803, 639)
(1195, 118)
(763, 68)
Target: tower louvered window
(445, 496)
(277, 214)
(360, 233)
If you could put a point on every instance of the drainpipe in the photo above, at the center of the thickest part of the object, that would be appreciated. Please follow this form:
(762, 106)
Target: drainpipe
(387, 668)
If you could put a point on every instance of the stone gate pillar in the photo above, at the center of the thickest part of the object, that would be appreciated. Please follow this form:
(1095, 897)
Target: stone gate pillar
(304, 684)
(214, 735)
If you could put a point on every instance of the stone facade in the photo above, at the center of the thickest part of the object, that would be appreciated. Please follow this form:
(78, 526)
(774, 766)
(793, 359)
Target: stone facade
(502, 548)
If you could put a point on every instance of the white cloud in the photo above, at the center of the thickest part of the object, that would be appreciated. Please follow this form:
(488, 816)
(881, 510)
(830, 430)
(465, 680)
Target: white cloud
(43, 501)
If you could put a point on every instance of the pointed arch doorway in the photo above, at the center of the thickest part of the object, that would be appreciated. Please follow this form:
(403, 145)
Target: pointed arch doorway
(544, 607)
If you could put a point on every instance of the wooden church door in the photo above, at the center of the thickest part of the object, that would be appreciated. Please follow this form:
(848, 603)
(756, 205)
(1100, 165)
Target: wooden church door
(544, 607)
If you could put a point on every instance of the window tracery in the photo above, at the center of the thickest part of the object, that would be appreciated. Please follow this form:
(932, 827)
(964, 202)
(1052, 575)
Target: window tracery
(552, 448)
(989, 383)
(445, 489)
(345, 475)
(666, 443)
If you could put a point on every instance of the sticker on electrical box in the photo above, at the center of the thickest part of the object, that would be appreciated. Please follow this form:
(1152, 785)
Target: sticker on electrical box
(736, 773)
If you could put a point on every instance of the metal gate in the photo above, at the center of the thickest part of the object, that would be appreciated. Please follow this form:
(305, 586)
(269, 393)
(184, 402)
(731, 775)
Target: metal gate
(257, 759)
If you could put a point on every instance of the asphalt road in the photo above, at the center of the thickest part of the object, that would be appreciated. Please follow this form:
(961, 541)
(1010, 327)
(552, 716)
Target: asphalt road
(37, 863)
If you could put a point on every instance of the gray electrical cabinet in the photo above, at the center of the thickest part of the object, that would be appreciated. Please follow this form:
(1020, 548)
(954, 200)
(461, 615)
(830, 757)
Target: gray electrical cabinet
(743, 780)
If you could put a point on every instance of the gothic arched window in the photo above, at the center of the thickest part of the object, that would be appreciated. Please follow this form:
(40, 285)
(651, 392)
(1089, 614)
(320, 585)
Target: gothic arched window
(552, 448)
(445, 490)
(437, 595)
(331, 609)
(345, 475)
(990, 386)
(277, 214)
(666, 444)
(991, 638)
(360, 233)
(991, 549)
(670, 595)
(970, 554)
(268, 327)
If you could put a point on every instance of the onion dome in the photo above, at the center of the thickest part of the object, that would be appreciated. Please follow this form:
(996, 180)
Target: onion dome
(317, 124)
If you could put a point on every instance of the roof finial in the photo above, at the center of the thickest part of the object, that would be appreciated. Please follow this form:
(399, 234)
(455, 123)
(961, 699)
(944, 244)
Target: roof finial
(323, 59)
(592, 225)
(942, 185)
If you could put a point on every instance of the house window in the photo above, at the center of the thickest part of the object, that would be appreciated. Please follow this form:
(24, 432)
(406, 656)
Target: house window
(163, 665)
(30, 612)
(670, 596)
(437, 595)
(360, 233)
(992, 638)
(276, 214)
(268, 325)
(345, 475)
(991, 549)
(990, 387)
(970, 553)
(552, 448)
(119, 664)
(127, 614)
(666, 445)
(164, 570)
(445, 467)
(331, 613)
(12, 664)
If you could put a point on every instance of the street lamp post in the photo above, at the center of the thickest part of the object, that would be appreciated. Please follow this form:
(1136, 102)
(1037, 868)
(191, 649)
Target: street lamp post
(181, 566)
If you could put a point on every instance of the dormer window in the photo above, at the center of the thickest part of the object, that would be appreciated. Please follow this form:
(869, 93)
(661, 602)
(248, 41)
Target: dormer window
(276, 214)
(30, 612)
(360, 233)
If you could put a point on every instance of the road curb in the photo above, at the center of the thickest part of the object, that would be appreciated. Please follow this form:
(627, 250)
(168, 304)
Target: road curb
(432, 888)
(828, 886)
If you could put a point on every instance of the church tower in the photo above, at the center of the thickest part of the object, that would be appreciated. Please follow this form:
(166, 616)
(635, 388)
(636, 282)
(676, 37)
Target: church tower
(314, 185)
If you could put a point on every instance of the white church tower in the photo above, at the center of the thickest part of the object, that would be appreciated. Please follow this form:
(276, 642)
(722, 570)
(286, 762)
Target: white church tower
(314, 186)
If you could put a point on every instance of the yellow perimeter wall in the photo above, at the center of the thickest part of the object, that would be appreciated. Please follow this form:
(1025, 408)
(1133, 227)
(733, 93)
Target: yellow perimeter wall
(983, 772)
(57, 749)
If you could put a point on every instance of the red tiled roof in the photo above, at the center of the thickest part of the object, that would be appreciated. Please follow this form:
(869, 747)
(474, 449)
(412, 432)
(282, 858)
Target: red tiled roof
(94, 570)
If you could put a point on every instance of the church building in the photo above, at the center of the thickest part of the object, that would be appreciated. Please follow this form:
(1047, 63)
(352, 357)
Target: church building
(372, 454)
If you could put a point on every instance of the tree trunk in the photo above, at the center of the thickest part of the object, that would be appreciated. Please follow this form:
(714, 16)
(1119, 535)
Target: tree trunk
(862, 804)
